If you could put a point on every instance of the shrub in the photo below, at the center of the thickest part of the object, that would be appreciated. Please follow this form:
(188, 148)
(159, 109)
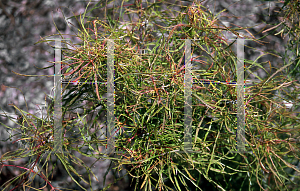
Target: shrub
(149, 107)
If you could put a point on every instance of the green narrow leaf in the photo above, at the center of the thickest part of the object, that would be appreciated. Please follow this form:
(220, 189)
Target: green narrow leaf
(67, 166)
(104, 178)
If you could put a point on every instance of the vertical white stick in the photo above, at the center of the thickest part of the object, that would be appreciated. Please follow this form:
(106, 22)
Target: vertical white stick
(110, 98)
(57, 99)
(188, 82)
(240, 96)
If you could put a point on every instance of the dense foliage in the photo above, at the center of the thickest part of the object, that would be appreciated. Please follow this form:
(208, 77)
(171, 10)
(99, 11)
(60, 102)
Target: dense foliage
(149, 102)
